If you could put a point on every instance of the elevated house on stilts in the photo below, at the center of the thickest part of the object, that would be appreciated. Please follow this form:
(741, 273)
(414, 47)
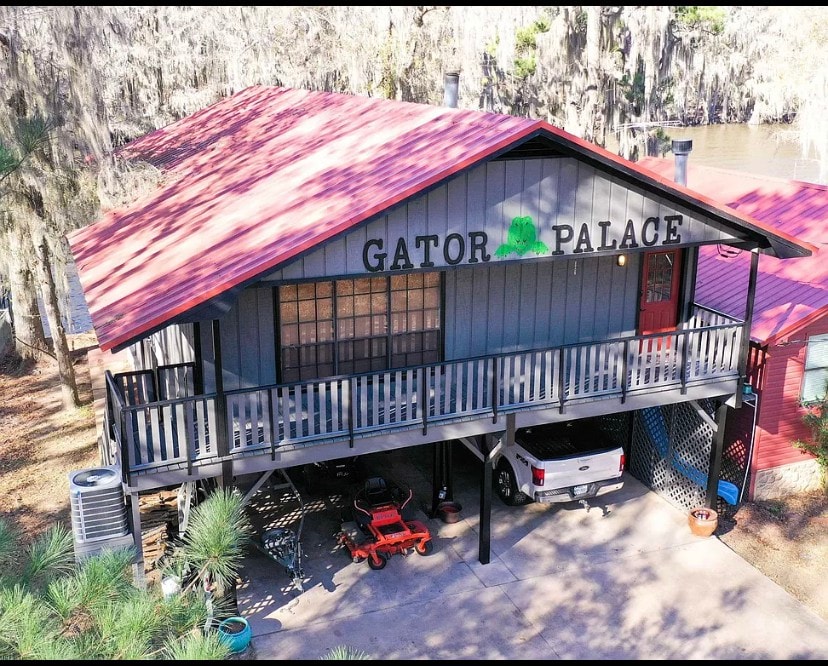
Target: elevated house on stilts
(325, 275)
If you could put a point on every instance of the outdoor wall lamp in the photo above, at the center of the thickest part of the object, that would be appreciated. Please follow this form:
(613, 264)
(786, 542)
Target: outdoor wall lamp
(621, 260)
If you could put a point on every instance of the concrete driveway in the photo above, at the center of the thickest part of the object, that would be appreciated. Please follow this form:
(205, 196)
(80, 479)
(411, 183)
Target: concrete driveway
(626, 581)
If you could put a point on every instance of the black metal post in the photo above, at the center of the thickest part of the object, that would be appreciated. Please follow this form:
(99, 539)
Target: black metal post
(436, 476)
(198, 371)
(495, 383)
(561, 378)
(484, 554)
(351, 413)
(449, 480)
(624, 371)
(222, 441)
(716, 449)
(442, 487)
(745, 348)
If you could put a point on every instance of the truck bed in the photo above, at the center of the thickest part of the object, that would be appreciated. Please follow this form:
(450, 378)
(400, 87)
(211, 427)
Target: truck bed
(562, 440)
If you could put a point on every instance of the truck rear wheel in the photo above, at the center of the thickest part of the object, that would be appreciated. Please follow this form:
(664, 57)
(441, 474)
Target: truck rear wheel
(506, 487)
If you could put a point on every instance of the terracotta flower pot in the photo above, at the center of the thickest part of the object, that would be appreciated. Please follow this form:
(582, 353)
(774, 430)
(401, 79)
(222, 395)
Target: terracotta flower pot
(703, 521)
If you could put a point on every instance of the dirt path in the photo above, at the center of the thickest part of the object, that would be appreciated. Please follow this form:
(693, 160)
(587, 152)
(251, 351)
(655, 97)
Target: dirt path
(41, 442)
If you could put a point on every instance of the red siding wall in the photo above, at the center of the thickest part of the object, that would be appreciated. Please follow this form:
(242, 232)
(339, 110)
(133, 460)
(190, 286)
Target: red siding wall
(780, 416)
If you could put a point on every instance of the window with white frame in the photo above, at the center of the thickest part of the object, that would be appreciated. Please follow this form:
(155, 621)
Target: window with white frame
(815, 381)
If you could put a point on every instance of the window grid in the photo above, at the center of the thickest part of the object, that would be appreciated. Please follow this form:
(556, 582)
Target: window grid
(379, 323)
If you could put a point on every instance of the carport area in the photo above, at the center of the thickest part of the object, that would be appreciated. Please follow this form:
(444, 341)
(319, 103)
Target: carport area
(626, 580)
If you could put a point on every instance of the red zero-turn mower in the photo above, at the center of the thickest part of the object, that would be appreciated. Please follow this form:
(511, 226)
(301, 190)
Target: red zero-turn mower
(378, 513)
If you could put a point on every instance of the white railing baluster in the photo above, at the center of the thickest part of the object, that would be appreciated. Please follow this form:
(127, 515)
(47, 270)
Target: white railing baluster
(159, 433)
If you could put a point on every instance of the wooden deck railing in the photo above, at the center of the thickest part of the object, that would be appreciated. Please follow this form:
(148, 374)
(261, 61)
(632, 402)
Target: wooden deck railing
(183, 431)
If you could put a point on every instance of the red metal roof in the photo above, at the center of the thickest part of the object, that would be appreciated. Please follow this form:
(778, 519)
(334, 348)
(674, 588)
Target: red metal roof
(789, 294)
(256, 179)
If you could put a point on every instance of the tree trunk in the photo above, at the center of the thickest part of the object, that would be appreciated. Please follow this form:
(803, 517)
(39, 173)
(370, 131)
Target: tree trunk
(66, 370)
(30, 340)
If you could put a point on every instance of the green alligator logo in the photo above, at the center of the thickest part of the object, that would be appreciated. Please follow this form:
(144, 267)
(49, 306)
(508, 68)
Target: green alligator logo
(522, 238)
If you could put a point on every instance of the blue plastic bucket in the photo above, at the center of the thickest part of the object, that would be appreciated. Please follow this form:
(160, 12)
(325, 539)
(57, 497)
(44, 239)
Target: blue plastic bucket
(235, 632)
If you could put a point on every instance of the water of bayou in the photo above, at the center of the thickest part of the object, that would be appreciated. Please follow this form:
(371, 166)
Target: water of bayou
(768, 150)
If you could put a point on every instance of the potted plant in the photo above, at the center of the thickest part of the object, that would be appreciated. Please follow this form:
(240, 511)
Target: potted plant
(235, 632)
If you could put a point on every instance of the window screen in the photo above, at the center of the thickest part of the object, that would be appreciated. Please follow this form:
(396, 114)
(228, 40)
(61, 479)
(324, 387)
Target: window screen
(816, 369)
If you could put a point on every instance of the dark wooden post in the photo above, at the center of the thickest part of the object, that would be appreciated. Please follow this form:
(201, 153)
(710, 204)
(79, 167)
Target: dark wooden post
(424, 375)
(716, 449)
(222, 441)
(484, 554)
(351, 410)
(561, 378)
(138, 542)
(126, 443)
(745, 348)
(198, 371)
(442, 484)
(495, 388)
(624, 371)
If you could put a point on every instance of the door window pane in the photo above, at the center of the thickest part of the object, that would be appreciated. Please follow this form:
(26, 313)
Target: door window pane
(659, 278)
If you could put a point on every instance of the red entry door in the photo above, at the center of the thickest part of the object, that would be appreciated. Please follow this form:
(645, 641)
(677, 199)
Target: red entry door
(660, 281)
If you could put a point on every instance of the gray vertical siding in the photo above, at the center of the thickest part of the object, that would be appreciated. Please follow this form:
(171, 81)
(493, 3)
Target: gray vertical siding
(169, 346)
(500, 305)
(552, 191)
(248, 347)
(505, 307)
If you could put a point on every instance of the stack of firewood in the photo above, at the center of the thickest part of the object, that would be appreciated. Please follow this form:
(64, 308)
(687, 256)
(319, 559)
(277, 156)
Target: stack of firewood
(159, 524)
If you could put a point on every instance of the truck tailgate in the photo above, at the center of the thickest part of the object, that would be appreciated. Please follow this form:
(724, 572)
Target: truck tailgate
(583, 468)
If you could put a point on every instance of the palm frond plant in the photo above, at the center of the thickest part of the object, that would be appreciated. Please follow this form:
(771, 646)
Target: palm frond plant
(197, 647)
(215, 541)
(52, 607)
(344, 652)
(50, 555)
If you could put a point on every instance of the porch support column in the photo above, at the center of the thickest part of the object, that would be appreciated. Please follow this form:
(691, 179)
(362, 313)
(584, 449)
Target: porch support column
(198, 371)
(491, 444)
(442, 484)
(691, 261)
(716, 448)
(222, 443)
(135, 523)
(745, 348)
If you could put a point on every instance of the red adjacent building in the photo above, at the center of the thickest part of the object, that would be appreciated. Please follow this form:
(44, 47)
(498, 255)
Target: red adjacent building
(789, 333)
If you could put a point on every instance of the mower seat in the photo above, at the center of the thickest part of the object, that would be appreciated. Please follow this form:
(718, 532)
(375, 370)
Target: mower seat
(377, 492)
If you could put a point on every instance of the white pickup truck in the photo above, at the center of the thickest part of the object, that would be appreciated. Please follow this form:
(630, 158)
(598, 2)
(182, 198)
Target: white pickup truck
(558, 462)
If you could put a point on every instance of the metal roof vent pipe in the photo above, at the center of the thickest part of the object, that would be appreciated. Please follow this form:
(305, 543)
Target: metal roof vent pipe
(451, 86)
(681, 149)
